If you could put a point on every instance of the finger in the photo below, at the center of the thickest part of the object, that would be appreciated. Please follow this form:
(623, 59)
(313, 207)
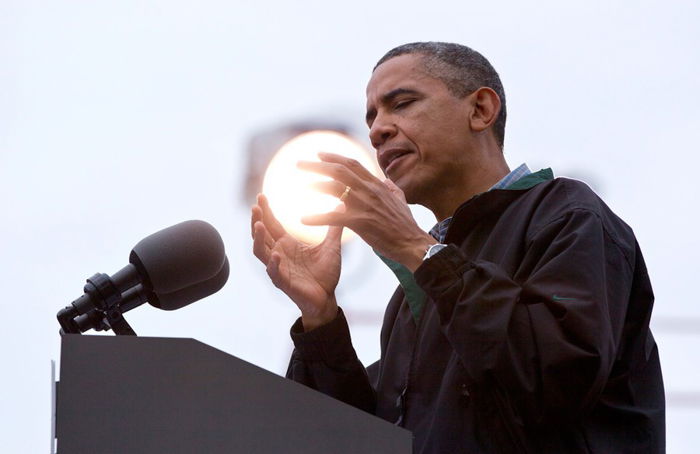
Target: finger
(261, 243)
(273, 270)
(335, 171)
(255, 216)
(395, 189)
(335, 232)
(271, 223)
(332, 218)
(334, 188)
(267, 238)
(352, 164)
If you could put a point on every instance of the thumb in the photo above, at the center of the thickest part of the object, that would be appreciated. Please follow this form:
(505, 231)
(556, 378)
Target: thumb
(335, 231)
(395, 190)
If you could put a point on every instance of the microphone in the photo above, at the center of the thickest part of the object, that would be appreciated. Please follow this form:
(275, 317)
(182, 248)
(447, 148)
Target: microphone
(188, 295)
(179, 256)
(169, 269)
(138, 295)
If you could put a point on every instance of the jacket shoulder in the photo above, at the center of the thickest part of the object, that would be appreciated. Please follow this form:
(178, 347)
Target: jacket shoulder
(558, 199)
(562, 195)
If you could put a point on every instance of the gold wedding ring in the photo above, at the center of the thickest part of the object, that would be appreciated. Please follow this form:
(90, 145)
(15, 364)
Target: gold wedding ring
(345, 193)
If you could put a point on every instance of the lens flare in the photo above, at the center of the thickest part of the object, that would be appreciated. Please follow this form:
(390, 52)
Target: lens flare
(289, 189)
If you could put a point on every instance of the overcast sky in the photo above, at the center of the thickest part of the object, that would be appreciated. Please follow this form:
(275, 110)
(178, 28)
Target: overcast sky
(119, 118)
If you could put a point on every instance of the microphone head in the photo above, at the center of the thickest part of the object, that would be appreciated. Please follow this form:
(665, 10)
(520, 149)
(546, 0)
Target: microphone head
(179, 256)
(187, 295)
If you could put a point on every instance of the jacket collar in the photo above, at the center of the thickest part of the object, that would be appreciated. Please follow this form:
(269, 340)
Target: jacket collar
(487, 203)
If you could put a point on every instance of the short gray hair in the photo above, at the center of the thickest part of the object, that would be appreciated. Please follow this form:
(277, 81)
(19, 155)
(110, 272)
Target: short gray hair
(461, 68)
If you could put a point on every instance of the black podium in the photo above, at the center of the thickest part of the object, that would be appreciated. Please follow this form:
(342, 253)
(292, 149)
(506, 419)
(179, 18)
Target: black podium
(128, 394)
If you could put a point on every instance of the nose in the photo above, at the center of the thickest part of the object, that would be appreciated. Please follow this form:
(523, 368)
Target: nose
(381, 130)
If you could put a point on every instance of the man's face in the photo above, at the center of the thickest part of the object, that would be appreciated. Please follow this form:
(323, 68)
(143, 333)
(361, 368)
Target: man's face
(419, 129)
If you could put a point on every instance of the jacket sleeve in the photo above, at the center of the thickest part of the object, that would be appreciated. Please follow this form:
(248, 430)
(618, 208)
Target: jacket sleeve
(325, 360)
(543, 340)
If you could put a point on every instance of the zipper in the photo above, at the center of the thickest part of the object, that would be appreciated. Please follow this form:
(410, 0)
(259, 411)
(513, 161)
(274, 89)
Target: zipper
(402, 400)
(501, 406)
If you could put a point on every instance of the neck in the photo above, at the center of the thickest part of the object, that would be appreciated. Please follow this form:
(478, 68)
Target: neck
(480, 179)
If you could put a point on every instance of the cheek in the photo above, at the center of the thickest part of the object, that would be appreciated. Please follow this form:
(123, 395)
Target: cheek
(422, 129)
(436, 133)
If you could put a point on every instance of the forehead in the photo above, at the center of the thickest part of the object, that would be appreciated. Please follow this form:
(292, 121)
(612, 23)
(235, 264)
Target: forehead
(404, 71)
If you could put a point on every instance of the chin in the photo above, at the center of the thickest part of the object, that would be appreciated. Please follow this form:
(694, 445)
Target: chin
(398, 181)
(408, 192)
(407, 185)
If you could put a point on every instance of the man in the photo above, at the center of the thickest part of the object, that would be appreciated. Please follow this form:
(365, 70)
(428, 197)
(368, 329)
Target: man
(520, 325)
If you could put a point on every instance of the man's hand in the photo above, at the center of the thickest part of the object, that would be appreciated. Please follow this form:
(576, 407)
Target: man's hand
(375, 210)
(307, 274)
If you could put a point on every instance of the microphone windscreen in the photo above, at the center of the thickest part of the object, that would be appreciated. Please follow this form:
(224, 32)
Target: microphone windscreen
(179, 256)
(187, 295)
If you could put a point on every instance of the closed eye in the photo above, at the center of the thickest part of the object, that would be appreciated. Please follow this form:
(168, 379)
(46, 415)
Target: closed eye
(403, 103)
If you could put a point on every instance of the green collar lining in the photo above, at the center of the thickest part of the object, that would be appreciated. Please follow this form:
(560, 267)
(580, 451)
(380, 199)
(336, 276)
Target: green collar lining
(532, 179)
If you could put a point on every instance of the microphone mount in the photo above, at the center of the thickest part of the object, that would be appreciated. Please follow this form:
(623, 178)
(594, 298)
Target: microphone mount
(100, 308)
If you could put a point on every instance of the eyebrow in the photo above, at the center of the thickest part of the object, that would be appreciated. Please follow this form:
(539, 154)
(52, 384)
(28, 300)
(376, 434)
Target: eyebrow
(387, 98)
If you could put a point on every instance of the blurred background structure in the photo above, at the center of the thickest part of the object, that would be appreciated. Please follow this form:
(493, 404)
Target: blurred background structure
(120, 118)
(263, 145)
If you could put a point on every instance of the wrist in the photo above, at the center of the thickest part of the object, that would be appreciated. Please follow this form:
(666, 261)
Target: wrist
(323, 316)
(418, 253)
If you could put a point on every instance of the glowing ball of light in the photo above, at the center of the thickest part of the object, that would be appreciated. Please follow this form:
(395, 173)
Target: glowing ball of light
(289, 189)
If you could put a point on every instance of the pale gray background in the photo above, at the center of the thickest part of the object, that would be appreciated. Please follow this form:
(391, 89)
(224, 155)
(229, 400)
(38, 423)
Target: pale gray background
(119, 118)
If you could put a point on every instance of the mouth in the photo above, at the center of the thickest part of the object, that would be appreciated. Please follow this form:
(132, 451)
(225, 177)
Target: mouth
(390, 159)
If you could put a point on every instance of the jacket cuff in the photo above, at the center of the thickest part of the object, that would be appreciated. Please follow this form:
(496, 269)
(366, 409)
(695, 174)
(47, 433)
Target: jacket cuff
(327, 343)
(437, 274)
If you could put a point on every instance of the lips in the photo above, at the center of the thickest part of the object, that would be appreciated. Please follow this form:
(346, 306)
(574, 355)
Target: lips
(389, 159)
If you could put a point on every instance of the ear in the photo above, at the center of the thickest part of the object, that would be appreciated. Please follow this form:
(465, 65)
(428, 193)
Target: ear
(487, 105)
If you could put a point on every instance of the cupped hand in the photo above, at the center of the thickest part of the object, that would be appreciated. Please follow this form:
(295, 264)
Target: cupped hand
(308, 274)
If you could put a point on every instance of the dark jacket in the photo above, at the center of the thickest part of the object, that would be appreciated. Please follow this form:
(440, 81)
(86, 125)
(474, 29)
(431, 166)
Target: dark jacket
(535, 336)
